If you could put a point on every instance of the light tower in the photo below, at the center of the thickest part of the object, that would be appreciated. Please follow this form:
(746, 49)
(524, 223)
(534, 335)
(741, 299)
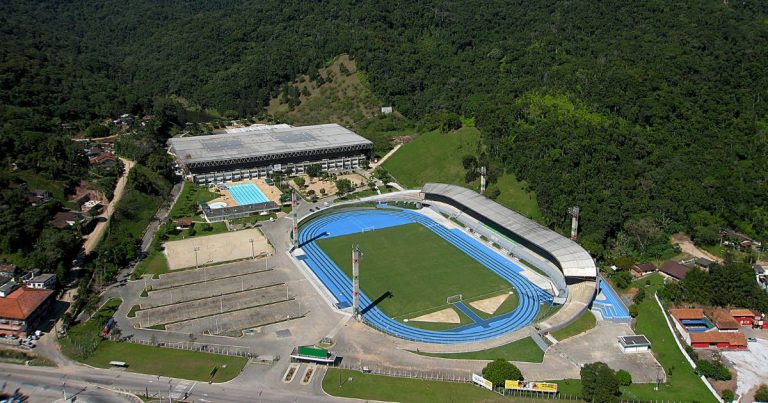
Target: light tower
(482, 180)
(294, 204)
(574, 212)
(356, 254)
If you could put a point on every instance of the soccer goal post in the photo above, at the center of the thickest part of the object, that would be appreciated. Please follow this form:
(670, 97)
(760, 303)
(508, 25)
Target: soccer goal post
(368, 229)
(454, 299)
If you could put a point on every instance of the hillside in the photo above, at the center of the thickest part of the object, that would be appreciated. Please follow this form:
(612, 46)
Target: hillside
(334, 94)
(437, 157)
(638, 112)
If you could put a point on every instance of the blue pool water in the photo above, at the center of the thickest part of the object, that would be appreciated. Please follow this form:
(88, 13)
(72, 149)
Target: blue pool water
(247, 194)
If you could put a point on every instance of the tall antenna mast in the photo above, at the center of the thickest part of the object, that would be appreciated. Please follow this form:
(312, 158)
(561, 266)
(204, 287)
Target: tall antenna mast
(574, 212)
(356, 255)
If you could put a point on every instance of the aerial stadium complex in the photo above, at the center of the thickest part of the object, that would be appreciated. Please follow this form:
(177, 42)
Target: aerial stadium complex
(249, 154)
(444, 265)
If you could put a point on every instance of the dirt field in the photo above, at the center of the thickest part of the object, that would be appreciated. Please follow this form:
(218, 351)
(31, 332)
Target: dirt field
(216, 248)
(447, 315)
(330, 186)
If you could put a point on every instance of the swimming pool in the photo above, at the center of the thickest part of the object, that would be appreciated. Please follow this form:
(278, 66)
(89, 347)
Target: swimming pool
(247, 194)
(216, 205)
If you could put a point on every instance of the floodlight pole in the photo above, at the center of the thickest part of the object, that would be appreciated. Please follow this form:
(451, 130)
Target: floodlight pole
(253, 251)
(356, 254)
(294, 204)
(197, 266)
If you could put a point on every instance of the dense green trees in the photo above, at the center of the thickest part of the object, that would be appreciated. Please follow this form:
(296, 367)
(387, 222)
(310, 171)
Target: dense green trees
(500, 370)
(645, 114)
(730, 284)
(599, 383)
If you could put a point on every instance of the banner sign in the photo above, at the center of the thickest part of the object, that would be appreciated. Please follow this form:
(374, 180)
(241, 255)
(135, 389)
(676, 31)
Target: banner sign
(530, 386)
(482, 381)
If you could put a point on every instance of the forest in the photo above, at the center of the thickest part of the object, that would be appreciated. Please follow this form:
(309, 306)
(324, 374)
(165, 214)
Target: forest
(651, 116)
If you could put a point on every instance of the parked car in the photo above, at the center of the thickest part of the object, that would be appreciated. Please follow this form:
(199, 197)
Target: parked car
(751, 339)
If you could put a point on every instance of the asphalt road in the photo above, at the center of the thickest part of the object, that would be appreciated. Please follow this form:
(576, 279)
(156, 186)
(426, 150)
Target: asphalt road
(44, 384)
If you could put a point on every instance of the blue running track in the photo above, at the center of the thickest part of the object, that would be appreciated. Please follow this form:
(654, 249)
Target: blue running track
(340, 286)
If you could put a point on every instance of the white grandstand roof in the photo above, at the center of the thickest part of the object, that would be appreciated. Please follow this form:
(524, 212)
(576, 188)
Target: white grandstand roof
(261, 143)
(572, 258)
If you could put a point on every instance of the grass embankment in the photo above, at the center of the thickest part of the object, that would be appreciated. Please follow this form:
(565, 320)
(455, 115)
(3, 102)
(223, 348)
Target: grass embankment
(585, 322)
(385, 388)
(186, 205)
(84, 343)
(154, 263)
(412, 269)
(523, 350)
(183, 364)
(24, 358)
(437, 157)
(199, 230)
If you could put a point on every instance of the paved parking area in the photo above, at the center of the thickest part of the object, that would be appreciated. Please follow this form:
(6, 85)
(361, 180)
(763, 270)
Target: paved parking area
(232, 323)
(601, 344)
(751, 365)
(212, 249)
(211, 306)
(211, 288)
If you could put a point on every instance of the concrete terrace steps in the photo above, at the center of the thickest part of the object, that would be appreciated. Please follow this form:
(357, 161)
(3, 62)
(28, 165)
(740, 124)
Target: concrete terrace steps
(340, 285)
(202, 276)
(208, 306)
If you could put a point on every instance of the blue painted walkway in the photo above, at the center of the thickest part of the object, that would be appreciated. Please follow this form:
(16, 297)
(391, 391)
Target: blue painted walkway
(340, 285)
(611, 307)
(469, 312)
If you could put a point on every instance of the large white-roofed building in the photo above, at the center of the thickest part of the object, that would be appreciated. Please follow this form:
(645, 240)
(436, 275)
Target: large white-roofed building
(255, 153)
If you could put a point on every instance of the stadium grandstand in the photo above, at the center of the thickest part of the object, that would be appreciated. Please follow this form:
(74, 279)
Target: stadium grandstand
(251, 154)
(570, 267)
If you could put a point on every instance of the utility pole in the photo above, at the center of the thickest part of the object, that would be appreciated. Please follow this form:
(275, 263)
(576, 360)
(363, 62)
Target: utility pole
(356, 255)
(197, 248)
(253, 251)
(294, 204)
(482, 180)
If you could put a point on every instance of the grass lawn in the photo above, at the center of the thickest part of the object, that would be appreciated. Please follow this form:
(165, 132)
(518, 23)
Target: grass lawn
(216, 228)
(433, 157)
(253, 219)
(682, 384)
(436, 157)
(183, 364)
(377, 387)
(585, 322)
(154, 263)
(84, 338)
(186, 205)
(524, 350)
(417, 267)
(513, 196)
(35, 181)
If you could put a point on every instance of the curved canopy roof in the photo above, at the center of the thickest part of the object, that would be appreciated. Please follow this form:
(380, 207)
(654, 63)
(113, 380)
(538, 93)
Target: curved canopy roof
(572, 259)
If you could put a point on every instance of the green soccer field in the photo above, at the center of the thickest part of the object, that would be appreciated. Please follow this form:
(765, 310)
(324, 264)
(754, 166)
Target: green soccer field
(415, 265)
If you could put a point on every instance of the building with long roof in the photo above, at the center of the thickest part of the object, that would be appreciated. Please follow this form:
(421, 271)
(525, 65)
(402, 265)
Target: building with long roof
(249, 154)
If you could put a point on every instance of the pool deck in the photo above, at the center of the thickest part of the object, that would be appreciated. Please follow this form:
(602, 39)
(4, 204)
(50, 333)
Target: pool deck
(272, 192)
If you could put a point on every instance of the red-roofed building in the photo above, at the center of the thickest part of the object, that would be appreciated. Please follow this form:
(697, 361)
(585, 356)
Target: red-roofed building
(724, 321)
(640, 270)
(745, 317)
(687, 313)
(719, 340)
(22, 309)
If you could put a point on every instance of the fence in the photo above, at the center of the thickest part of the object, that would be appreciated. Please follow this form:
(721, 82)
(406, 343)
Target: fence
(239, 351)
(443, 376)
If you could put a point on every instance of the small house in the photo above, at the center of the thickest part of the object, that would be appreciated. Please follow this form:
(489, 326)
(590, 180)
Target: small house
(723, 321)
(183, 223)
(640, 270)
(674, 270)
(43, 281)
(634, 344)
(8, 271)
(745, 317)
(66, 219)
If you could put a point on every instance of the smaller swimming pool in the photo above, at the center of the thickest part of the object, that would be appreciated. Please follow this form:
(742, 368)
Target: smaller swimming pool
(216, 205)
(247, 194)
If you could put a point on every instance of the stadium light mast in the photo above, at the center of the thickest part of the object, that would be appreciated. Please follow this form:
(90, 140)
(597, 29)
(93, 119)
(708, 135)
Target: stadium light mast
(574, 212)
(356, 254)
(482, 180)
(294, 204)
